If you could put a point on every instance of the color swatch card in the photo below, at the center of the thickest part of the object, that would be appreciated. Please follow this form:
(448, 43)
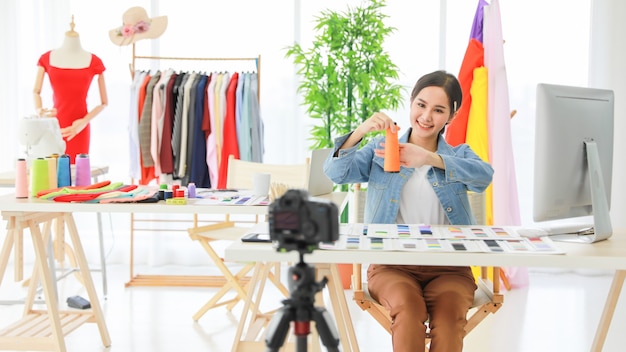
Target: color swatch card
(425, 238)
(230, 198)
(443, 231)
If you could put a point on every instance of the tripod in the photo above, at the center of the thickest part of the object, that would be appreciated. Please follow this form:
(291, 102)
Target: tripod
(299, 308)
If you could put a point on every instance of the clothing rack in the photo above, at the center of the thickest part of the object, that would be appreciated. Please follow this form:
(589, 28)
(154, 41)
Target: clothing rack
(178, 280)
(257, 60)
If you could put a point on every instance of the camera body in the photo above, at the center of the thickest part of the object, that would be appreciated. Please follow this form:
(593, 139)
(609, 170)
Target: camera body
(297, 222)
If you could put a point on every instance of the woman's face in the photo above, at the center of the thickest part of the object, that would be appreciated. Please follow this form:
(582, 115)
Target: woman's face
(430, 111)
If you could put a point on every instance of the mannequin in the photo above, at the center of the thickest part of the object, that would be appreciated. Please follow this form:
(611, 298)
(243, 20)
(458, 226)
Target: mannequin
(71, 70)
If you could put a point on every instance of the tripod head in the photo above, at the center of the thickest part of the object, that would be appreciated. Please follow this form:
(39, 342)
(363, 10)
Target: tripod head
(302, 290)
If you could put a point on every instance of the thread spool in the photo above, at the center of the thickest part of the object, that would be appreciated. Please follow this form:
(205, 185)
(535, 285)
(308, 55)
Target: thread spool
(52, 172)
(39, 180)
(392, 151)
(21, 179)
(191, 190)
(83, 170)
(64, 178)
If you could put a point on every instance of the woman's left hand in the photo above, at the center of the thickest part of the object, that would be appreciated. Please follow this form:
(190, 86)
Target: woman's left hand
(412, 155)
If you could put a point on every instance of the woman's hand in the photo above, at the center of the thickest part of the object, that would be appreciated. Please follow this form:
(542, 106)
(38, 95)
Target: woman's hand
(413, 156)
(71, 131)
(379, 121)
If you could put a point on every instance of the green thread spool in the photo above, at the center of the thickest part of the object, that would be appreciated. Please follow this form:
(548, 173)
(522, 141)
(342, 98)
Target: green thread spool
(40, 180)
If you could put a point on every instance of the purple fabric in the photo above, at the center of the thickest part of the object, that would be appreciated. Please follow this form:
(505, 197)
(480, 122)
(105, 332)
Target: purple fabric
(477, 26)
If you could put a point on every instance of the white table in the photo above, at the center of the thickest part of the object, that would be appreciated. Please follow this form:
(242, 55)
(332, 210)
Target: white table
(605, 255)
(7, 179)
(30, 214)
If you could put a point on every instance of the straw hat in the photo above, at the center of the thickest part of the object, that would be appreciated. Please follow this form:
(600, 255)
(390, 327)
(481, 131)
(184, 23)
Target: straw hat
(137, 25)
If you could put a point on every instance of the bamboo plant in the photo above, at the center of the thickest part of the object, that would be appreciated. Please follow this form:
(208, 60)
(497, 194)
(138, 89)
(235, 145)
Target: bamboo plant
(345, 74)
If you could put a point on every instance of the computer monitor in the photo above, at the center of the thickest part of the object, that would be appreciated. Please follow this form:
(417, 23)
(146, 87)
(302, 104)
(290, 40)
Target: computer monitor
(573, 160)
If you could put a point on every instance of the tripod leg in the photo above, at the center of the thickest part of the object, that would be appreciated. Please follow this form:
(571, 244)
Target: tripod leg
(278, 328)
(326, 329)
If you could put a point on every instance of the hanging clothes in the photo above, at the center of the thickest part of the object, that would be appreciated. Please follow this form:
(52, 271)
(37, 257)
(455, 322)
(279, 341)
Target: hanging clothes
(185, 125)
(230, 145)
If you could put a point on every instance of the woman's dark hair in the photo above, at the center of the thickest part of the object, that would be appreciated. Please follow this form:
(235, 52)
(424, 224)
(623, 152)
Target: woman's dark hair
(447, 82)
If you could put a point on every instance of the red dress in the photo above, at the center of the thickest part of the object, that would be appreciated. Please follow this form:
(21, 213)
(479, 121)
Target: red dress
(69, 96)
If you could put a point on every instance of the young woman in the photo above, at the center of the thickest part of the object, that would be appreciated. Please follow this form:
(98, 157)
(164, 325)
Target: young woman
(430, 188)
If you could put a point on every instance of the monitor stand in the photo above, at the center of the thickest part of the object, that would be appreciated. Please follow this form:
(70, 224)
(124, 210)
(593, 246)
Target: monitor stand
(583, 235)
(602, 228)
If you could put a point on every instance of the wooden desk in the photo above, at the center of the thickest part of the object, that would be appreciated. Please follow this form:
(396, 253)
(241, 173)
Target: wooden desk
(30, 214)
(605, 255)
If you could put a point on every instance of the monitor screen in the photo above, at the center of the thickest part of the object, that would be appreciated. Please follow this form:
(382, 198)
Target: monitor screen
(568, 119)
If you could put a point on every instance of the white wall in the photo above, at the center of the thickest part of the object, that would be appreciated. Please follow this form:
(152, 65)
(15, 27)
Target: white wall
(607, 58)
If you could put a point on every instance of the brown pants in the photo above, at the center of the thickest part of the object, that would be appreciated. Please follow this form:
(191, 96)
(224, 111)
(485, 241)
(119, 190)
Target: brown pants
(414, 294)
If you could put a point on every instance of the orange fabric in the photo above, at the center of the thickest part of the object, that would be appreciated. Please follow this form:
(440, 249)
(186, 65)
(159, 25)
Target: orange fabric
(474, 57)
(147, 173)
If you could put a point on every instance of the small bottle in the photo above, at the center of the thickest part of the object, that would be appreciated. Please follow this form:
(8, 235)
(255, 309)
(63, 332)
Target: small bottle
(392, 151)
(191, 190)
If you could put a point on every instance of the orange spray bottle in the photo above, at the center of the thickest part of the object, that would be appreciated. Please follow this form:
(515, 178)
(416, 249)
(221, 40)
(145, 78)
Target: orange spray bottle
(392, 151)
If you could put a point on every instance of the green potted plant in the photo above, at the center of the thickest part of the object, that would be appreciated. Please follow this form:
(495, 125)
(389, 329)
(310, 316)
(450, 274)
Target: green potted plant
(346, 75)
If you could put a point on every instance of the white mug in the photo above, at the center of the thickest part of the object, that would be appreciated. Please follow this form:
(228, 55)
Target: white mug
(261, 184)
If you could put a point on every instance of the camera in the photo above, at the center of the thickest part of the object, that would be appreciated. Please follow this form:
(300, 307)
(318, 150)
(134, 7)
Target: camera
(296, 222)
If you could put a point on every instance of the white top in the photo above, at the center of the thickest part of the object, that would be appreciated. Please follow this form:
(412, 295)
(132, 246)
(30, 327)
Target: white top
(418, 201)
(70, 54)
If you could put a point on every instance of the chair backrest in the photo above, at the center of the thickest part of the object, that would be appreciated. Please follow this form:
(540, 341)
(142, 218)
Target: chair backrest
(240, 173)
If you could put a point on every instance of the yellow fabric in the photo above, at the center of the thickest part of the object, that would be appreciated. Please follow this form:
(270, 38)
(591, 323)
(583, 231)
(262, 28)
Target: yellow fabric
(477, 135)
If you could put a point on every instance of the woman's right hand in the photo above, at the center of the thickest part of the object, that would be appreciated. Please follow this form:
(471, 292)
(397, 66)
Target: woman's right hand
(379, 121)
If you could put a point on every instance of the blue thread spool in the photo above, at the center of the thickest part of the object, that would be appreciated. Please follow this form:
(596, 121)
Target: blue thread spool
(64, 177)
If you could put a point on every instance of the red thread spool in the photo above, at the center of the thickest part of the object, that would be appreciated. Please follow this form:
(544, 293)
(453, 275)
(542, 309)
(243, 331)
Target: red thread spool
(392, 151)
(180, 193)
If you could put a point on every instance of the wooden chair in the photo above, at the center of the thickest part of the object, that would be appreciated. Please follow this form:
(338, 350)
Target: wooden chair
(487, 298)
(240, 177)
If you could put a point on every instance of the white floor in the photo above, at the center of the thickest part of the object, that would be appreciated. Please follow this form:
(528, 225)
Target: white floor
(557, 311)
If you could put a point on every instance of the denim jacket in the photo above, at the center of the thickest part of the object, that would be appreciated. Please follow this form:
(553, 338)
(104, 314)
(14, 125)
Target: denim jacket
(464, 171)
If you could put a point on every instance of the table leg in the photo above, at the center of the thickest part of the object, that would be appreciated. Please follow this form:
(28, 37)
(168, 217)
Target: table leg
(340, 306)
(88, 282)
(47, 283)
(103, 262)
(609, 309)
(18, 253)
(258, 278)
(6, 252)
